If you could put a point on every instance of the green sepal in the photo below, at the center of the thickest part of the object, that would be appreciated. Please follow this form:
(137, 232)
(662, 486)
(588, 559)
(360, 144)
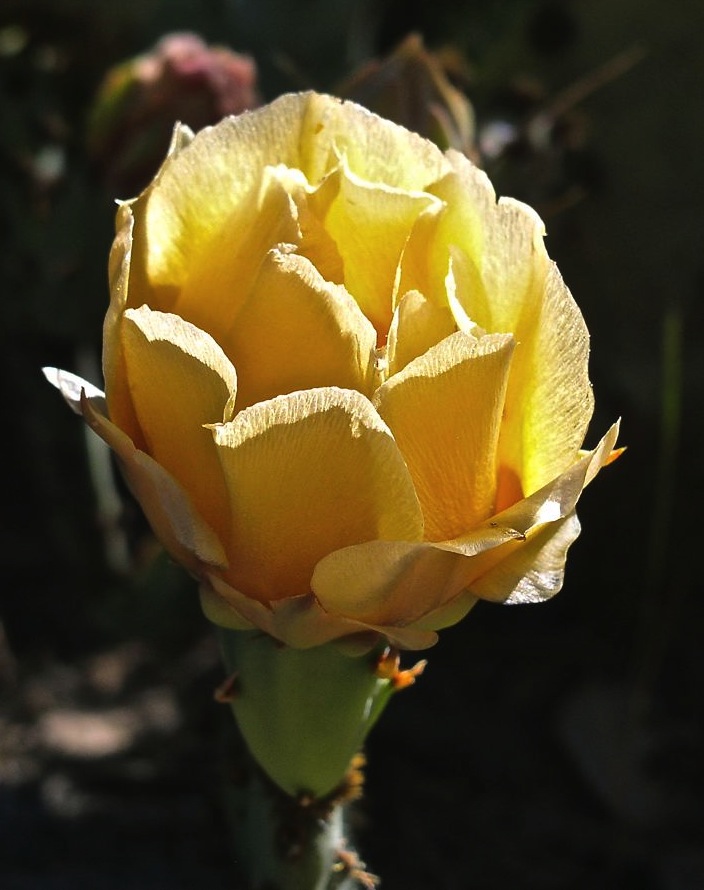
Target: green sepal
(304, 713)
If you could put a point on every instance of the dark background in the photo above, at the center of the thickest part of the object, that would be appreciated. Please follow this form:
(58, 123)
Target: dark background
(546, 747)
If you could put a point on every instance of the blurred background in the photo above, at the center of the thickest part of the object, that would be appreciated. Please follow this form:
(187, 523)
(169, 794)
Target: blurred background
(546, 747)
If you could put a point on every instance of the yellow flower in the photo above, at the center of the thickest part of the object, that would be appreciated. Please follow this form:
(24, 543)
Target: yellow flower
(348, 387)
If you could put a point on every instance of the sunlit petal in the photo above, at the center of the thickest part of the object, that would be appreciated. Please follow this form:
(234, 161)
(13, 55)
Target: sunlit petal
(307, 474)
(375, 149)
(533, 571)
(425, 586)
(506, 282)
(116, 387)
(444, 410)
(208, 190)
(170, 511)
(549, 402)
(371, 223)
(298, 331)
(417, 325)
(179, 380)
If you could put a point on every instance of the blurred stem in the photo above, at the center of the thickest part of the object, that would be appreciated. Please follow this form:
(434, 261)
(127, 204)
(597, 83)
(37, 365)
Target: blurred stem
(108, 500)
(670, 425)
(653, 632)
(280, 843)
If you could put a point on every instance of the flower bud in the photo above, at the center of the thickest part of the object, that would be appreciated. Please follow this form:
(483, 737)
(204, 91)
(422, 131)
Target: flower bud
(180, 80)
(411, 87)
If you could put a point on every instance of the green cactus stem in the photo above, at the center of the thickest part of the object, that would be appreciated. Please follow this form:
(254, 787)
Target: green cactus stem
(282, 843)
(302, 717)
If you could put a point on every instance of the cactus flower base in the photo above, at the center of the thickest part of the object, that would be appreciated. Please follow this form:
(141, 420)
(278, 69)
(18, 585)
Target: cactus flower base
(303, 713)
(302, 717)
(283, 843)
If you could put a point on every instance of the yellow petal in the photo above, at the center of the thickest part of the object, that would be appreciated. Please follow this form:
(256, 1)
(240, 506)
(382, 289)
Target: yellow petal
(217, 206)
(502, 243)
(297, 621)
(549, 401)
(531, 566)
(384, 582)
(207, 199)
(558, 498)
(417, 325)
(532, 571)
(422, 587)
(444, 410)
(170, 512)
(421, 262)
(506, 282)
(371, 222)
(311, 204)
(308, 473)
(375, 149)
(298, 331)
(114, 372)
(179, 380)
(214, 210)
(209, 190)
(393, 584)
(301, 622)
(222, 267)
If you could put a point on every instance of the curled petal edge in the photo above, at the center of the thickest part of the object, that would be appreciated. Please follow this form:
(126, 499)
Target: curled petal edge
(166, 505)
(534, 571)
(301, 622)
(184, 534)
(405, 592)
(379, 583)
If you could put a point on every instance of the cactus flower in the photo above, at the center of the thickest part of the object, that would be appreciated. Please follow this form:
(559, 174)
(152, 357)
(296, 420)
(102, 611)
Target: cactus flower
(348, 387)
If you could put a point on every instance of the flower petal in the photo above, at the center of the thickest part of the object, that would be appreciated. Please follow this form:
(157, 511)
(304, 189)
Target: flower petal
(506, 282)
(302, 623)
(209, 192)
(384, 582)
(534, 570)
(116, 388)
(375, 149)
(370, 223)
(530, 568)
(179, 380)
(417, 325)
(502, 243)
(296, 621)
(558, 498)
(308, 473)
(422, 587)
(444, 410)
(298, 331)
(170, 512)
(311, 204)
(73, 388)
(549, 401)
(233, 219)
(223, 264)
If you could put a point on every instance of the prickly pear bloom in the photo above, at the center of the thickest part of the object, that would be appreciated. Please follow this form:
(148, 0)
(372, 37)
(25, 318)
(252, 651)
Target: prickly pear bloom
(348, 387)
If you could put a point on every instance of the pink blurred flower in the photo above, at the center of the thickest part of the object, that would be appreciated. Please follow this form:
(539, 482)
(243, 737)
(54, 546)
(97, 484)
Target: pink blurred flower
(181, 79)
